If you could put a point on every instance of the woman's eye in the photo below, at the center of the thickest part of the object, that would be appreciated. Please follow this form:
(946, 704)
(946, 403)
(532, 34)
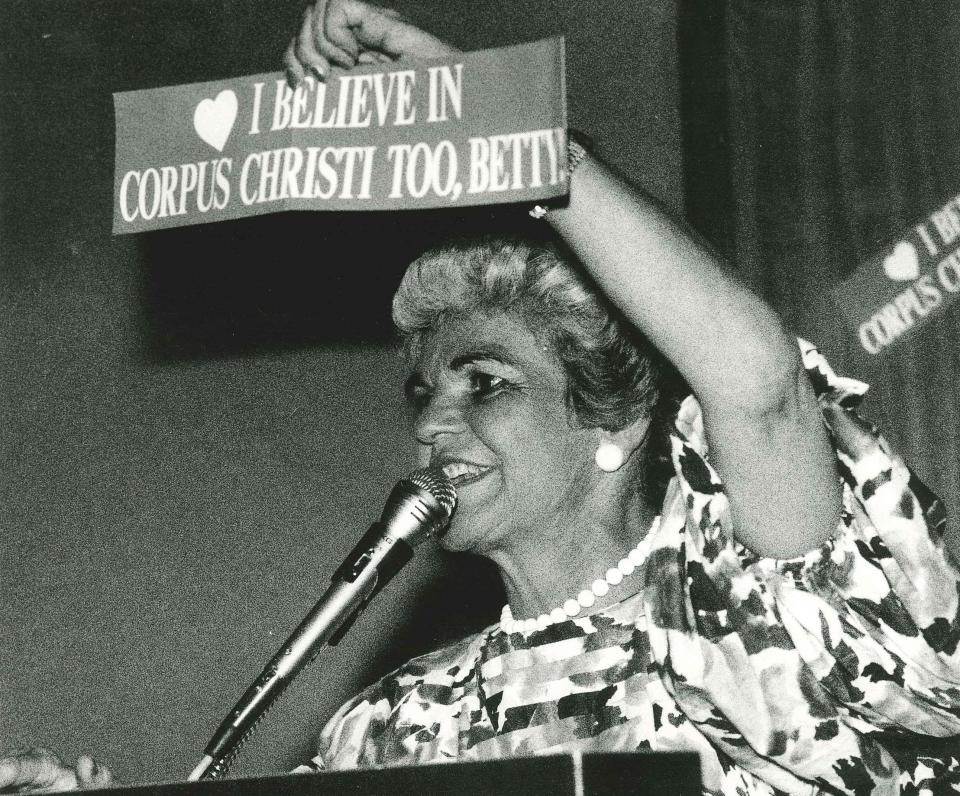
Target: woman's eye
(486, 383)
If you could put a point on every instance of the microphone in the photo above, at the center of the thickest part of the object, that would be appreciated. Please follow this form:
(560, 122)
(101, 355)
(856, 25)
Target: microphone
(419, 506)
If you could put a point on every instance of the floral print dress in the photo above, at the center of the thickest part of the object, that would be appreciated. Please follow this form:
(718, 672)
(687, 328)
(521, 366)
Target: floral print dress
(835, 672)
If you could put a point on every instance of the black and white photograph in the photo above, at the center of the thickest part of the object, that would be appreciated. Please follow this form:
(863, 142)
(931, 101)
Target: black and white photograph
(439, 397)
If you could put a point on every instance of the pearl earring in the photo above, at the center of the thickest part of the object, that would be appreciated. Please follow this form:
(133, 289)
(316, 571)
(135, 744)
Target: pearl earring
(609, 457)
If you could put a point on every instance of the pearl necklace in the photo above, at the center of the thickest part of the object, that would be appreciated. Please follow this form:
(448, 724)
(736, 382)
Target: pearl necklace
(587, 597)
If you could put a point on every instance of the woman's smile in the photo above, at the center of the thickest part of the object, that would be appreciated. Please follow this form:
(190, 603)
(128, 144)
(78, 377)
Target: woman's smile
(462, 473)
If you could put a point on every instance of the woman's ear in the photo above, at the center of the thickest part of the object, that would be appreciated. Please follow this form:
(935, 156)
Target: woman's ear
(614, 448)
(630, 437)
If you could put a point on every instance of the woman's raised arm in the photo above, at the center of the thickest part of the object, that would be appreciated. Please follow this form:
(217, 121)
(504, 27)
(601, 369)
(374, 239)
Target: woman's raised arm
(766, 435)
(760, 414)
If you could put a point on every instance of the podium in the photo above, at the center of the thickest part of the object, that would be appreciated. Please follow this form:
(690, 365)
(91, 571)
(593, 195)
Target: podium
(647, 773)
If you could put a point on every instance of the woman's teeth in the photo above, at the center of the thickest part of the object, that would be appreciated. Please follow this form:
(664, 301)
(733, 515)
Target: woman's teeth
(461, 471)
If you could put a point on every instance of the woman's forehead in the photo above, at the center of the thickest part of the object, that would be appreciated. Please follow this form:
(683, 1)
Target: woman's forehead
(502, 336)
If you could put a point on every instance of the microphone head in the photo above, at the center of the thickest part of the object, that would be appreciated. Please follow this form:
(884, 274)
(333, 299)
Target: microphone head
(420, 505)
(433, 480)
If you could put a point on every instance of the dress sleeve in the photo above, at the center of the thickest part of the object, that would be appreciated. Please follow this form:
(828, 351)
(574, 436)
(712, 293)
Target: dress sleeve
(810, 670)
(342, 742)
(374, 728)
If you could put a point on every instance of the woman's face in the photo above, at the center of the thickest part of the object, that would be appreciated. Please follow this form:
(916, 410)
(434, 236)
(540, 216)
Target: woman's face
(490, 408)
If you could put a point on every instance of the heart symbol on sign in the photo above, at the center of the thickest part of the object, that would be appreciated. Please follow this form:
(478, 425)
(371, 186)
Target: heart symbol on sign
(902, 264)
(213, 118)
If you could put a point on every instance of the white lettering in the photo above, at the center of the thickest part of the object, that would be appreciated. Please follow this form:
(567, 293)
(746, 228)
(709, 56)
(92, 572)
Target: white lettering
(154, 175)
(124, 186)
(286, 173)
(255, 120)
(281, 106)
(948, 272)
(445, 88)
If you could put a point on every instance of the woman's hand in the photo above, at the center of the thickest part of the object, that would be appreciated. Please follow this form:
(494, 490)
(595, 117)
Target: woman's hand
(347, 32)
(41, 771)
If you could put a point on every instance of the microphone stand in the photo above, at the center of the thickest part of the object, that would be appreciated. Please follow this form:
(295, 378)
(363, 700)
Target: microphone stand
(337, 609)
(419, 506)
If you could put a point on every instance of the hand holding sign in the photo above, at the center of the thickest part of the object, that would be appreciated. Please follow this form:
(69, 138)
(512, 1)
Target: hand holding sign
(437, 128)
(348, 32)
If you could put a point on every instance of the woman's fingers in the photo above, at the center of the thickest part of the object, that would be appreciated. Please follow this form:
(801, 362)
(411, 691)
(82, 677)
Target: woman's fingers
(341, 22)
(344, 33)
(35, 771)
(381, 30)
(91, 774)
(39, 770)
(373, 57)
(292, 66)
(306, 46)
(336, 43)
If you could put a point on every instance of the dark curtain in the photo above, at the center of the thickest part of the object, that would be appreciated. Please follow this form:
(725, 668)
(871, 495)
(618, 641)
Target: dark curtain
(814, 132)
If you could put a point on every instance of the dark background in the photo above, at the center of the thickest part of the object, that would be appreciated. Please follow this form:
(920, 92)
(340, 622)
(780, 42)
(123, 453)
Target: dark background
(197, 424)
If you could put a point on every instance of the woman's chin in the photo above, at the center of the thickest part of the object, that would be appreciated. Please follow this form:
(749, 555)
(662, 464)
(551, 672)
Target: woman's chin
(457, 540)
(474, 516)
(466, 532)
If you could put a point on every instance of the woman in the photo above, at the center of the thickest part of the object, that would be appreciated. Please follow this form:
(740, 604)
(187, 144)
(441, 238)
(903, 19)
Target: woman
(779, 600)
(792, 622)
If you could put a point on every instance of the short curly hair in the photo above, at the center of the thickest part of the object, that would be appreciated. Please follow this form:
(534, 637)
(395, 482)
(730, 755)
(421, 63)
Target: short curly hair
(614, 375)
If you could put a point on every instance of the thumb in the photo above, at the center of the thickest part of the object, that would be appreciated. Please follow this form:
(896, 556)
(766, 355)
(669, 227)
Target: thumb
(357, 25)
(91, 774)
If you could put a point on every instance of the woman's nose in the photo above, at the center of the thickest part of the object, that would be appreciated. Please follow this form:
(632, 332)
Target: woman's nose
(440, 416)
